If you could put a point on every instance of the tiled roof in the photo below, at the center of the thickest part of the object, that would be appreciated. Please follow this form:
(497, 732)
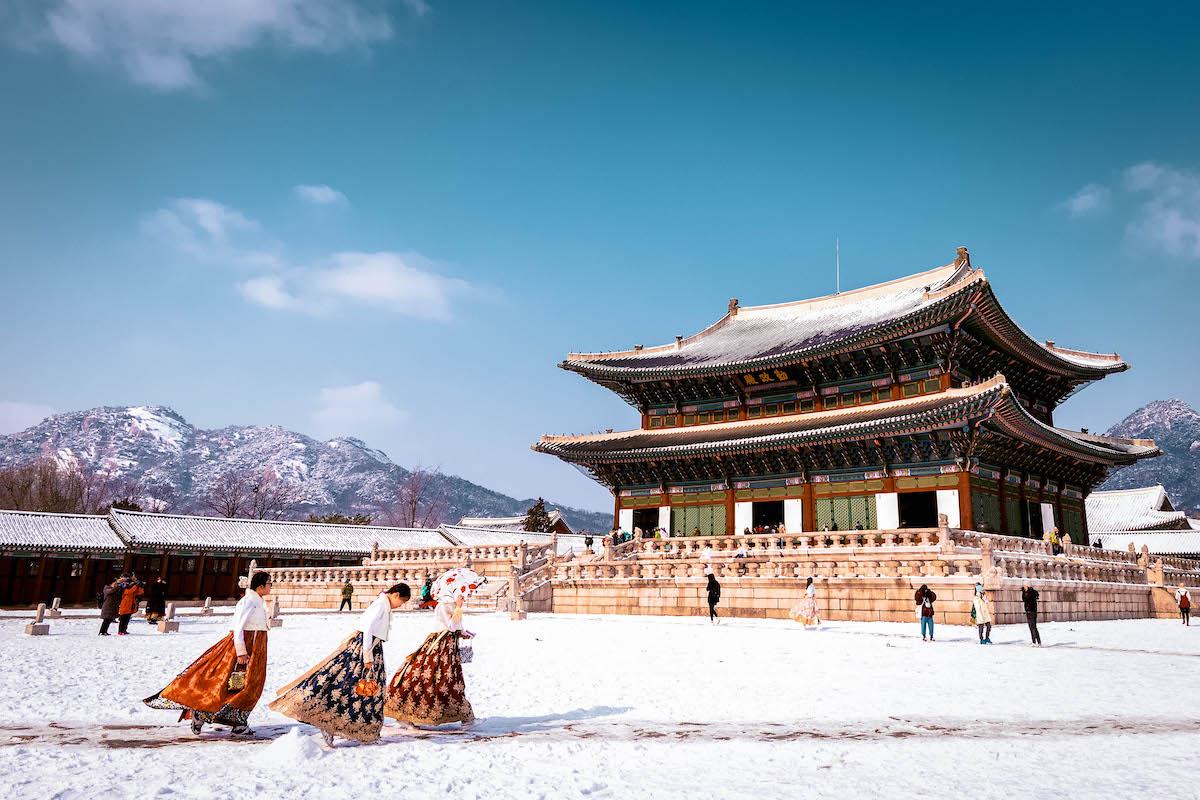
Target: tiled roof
(178, 531)
(70, 532)
(1140, 509)
(927, 412)
(476, 537)
(504, 523)
(1166, 543)
(761, 335)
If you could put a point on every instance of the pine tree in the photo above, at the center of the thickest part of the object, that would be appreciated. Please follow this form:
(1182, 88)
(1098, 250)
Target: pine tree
(536, 518)
(341, 519)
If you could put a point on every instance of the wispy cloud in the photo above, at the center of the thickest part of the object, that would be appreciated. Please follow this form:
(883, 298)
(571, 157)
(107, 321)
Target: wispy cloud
(1090, 200)
(320, 194)
(359, 409)
(1161, 203)
(17, 416)
(1168, 217)
(214, 234)
(164, 44)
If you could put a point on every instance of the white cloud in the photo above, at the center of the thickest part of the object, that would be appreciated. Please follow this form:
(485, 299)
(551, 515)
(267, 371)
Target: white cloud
(212, 233)
(1091, 199)
(1168, 216)
(15, 416)
(163, 44)
(356, 410)
(320, 194)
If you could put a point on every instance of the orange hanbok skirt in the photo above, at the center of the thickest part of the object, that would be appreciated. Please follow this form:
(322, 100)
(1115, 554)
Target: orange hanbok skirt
(202, 690)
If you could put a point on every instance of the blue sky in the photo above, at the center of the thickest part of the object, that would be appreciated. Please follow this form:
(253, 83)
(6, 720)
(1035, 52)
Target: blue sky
(392, 220)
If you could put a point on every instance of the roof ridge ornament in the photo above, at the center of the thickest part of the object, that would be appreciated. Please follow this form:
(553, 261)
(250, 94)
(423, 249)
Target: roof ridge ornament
(962, 257)
(733, 306)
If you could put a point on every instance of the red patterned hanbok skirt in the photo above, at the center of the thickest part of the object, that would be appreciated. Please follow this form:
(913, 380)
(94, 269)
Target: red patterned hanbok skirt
(429, 689)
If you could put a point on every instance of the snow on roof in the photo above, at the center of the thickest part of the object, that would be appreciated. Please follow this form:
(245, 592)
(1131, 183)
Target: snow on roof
(218, 533)
(481, 537)
(1166, 543)
(504, 523)
(1142, 509)
(38, 530)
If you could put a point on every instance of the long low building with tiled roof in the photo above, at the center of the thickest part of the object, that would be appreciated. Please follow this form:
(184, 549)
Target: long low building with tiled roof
(1147, 508)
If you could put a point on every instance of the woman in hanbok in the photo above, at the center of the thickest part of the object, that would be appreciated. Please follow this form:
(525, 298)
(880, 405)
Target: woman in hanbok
(805, 611)
(223, 685)
(429, 688)
(343, 694)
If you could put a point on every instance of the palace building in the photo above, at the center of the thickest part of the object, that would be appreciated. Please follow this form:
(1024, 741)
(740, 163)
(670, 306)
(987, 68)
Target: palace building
(878, 408)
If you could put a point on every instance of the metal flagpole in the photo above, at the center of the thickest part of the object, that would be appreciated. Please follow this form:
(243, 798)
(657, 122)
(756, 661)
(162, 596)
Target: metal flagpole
(837, 257)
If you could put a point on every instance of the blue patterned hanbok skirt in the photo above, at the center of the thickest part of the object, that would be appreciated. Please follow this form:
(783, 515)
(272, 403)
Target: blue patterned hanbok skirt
(325, 698)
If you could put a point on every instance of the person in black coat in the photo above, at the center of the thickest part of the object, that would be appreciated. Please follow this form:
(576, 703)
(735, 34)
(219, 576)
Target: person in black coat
(714, 597)
(156, 606)
(1029, 598)
(111, 604)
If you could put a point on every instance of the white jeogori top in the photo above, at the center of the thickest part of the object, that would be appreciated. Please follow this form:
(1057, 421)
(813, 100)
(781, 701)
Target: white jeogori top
(445, 616)
(250, 614)
(375, 623)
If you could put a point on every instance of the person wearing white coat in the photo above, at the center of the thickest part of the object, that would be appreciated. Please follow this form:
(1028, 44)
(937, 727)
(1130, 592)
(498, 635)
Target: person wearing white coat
(981, 607)
(343, 695)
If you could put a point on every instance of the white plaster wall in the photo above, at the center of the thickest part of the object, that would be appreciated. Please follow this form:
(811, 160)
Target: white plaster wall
(743, 516)
(947, 503)
(626, 520)
(664, 519)
(793, 515)
(887, 511)
(1047, 516)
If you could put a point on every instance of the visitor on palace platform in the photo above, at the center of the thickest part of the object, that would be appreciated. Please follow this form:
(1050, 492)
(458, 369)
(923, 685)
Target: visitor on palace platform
(1050, 537)
(1183, 599)
(347, 596)
(130, 599)
(343, 694)
(156, 606)
(223, 685)
(429, 688)
(714, 597)
(925, 598)
(427, 600)
(1029, 598)
(111, 604)
(981, 612)
(805, 611)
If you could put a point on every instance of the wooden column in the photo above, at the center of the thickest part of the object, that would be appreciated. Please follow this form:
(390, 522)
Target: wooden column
(966, 517)
(199, 585)
(163, 564)
(82, 587)
(809, 511)
(1003, 486)
(41, 578)
(729, 501)
(617, 507)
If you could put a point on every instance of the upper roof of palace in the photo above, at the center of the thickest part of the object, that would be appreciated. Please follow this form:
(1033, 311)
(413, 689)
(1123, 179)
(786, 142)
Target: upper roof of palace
(757, 337)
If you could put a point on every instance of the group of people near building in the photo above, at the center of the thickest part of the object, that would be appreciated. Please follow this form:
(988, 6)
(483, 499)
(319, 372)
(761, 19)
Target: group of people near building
(120, 600)
(347, 693)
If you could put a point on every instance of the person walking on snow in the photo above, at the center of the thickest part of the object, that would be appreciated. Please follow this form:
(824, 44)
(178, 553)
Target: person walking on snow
(347, 596)
(156, 606)
(110, 607)
(925, 598)
(714, 597)
(130, 599)
(805, 611)
(981, 612)
(1183, 599)
(1029, 598)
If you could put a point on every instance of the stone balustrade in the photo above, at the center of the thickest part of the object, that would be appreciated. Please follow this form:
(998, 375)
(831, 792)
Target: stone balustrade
(857, 564)
(783, 544)
(1056, 568)
(459, 555)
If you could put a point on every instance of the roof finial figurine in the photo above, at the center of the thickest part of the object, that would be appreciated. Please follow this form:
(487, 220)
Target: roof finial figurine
(962, 258)
(733, 306)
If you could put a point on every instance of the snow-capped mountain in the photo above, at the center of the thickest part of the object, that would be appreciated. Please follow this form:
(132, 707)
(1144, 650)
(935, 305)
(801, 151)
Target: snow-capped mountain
(1175, 427)
(170, 460)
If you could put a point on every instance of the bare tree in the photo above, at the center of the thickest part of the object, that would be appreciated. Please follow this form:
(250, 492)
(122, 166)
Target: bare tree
(420, 501)
(271, 498)
(46, 485)
(229, 496)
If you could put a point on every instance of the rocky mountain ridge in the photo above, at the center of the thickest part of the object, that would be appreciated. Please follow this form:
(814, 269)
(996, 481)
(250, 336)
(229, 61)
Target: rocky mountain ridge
(1175, 428)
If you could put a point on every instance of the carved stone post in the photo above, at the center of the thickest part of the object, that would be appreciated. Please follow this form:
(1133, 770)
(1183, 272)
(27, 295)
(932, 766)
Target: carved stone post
(516, 611)
(208, 609)
(987, 564)
(1155, 575)
(945, 543)
(38, 627)
(522, 555)
(168, 624)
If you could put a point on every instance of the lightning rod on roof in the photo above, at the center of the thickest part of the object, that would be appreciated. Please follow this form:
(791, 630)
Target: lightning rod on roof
(837, 260)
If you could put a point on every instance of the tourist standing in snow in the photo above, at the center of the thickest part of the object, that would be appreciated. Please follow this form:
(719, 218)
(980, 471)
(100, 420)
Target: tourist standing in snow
(429, 688)
(714, 597)
(925, 598)
(805, 611)
(1183, 599)
(347, 596)
(130, 599)
(223, 685)
(110, 607)
(156, 606)
(981, 612)
(1029, 598)
(343, 694)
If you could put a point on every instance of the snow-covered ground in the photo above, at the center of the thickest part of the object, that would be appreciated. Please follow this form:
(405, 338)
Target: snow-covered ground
(632, 707)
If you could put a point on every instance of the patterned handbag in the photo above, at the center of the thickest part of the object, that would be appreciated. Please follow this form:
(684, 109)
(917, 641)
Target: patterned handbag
(237, 679)
(466, 652)
(366, 687)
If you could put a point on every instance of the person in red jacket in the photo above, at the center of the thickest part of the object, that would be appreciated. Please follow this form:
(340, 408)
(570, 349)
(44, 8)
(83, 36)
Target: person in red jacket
(129, 604)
